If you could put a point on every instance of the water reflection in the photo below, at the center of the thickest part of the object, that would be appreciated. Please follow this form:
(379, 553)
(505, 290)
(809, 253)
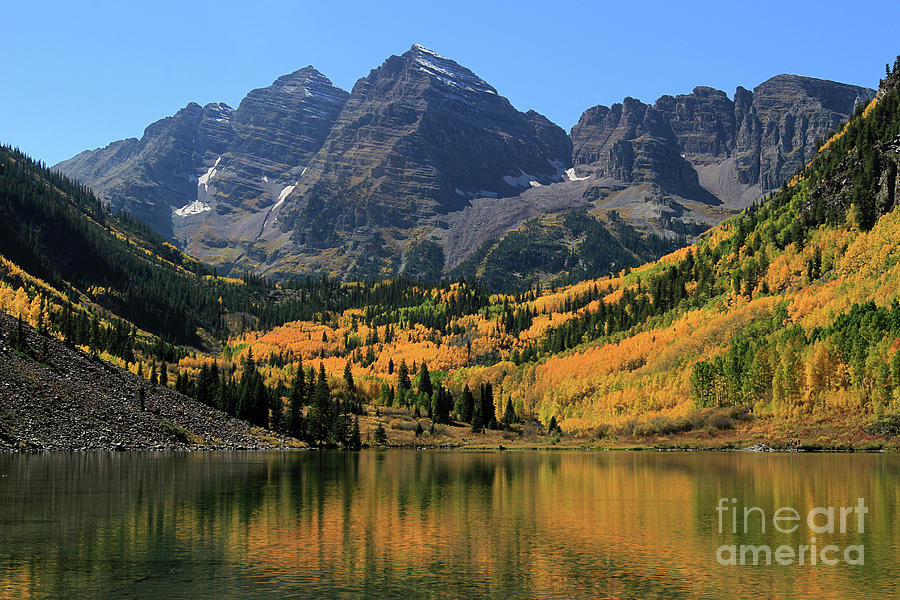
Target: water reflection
(428, 524)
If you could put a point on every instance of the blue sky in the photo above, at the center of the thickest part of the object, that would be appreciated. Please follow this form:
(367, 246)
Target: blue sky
(78, 75)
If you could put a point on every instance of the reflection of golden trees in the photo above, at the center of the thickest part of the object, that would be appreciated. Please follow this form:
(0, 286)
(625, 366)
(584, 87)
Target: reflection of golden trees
(435, 524)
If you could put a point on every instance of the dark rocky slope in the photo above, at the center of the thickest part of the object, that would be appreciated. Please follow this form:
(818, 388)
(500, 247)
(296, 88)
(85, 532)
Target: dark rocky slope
(71, 401)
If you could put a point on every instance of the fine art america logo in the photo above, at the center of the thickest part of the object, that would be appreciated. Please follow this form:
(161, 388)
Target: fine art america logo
(821, 520)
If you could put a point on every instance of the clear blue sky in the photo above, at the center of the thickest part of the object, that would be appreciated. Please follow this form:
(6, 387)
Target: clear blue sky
(78, 75)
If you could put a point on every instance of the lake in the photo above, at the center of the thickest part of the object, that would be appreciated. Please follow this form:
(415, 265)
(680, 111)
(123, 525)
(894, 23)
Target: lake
(447, 524)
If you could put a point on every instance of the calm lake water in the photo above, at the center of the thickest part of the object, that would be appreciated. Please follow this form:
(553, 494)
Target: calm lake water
(454, 524)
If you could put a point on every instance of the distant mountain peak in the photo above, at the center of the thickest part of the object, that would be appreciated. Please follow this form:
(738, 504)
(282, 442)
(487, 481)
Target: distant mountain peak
(419, 48)
(447, 71)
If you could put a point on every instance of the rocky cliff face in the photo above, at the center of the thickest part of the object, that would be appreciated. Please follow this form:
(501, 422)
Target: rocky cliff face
(419, 137)
(423, 130)
(207, 176)
(157, 174)
(706, 148)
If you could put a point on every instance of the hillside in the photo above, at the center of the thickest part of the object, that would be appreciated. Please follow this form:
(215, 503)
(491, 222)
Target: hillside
(53, 397)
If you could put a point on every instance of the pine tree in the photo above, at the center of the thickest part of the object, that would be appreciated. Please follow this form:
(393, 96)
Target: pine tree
(348, 377)
(277, 413)
(253, 397)
(355, 439)
(380, 435)
(17, 337)
(320, 420)
(509, 417)
(341, 429)
(295, 411)
(478, 414)
(390, 366)
(164, 375)
(488, 413)
(386, 395)
(403, 382)
(96, 343)
(425, 386)
(154, 379)
(468, 404)
(552, 426)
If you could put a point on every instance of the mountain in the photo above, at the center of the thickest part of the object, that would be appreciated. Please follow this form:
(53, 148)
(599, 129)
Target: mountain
(424, 168)
(671, 163)
(419, 138)
(668, 170)
(242, 162)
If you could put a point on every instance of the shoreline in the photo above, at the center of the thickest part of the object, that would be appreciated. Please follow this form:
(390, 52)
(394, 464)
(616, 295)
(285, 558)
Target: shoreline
(475, 447)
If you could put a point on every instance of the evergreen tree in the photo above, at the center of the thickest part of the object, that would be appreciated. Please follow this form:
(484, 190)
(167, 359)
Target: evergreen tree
(348, 377)
(154, 379)
(425, 381)
(488, 413)
(205, 393)
(552, 426)
(386, 395)
(296, 426)
(478, 414)
(96, 342)
(380, 435)
(164, 375)
(509, 417)
(468, 405)
(277, 413)
(403, 382)
(17, 336)
(390, 366)
(441, 403)
(341, 429)
(320, 420)
(253, 397)
(355, 439)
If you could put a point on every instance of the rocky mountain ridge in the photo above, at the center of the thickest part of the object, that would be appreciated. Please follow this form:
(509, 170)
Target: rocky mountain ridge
(303, 177)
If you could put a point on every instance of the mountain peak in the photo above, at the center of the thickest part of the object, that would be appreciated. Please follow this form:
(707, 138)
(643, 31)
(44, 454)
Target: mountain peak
(447, 71)
(304, 77)
(420, 49)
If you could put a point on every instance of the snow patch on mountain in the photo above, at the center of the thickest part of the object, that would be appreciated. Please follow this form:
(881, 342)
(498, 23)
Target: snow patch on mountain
(449, 73)
(570, 173)
(285, 192)
(194, 208)
(522, 180)
(203, 180)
